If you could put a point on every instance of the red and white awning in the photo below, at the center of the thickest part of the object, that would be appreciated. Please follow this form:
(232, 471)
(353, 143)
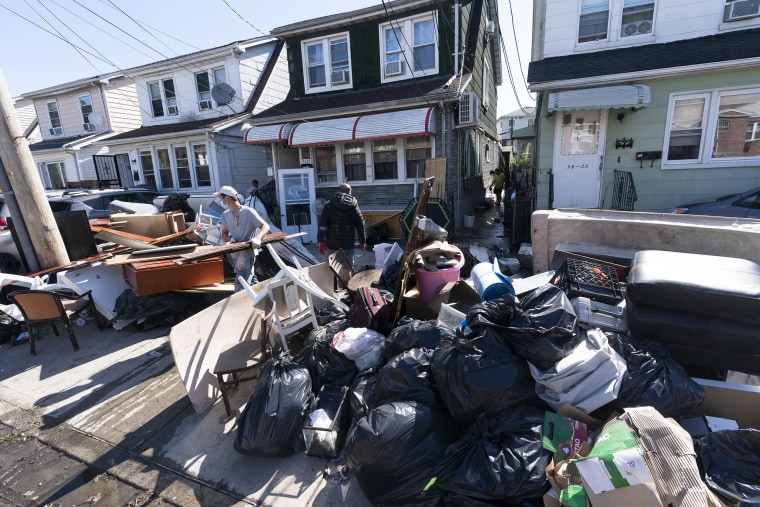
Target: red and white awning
(268, 133)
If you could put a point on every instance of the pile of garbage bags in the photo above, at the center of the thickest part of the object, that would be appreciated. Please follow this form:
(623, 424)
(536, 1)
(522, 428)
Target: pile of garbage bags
(454, 416)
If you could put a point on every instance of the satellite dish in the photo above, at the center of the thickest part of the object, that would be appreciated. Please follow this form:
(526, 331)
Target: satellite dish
(223, 93)
(94, 118)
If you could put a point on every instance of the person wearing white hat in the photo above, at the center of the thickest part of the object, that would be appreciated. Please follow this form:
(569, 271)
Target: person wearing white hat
(238, 224)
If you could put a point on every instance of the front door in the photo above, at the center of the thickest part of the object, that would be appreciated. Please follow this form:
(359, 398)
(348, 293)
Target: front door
(578, 156)
(297, 193)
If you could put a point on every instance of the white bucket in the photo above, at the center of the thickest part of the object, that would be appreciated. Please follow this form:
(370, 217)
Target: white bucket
(469, 221)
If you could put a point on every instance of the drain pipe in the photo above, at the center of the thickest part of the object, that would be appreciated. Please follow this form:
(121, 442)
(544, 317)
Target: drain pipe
(456, 37)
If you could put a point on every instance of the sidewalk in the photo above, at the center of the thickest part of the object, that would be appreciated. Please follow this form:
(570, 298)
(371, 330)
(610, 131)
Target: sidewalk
(112, 424)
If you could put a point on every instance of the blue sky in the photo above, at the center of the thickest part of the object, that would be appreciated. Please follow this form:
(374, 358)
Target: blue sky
(118, 34)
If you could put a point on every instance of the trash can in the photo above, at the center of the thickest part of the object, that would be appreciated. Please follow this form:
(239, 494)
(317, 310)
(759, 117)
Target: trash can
(430, 283)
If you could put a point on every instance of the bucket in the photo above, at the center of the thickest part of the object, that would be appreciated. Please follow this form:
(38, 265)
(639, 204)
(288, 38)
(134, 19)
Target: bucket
(430, 283)
(489, 282)
(469, 221)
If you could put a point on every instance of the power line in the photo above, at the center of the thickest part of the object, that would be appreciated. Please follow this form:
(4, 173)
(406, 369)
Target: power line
(241, 17)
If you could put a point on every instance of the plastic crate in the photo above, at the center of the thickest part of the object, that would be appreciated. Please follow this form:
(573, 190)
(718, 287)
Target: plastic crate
(327, 440)
(589, 279)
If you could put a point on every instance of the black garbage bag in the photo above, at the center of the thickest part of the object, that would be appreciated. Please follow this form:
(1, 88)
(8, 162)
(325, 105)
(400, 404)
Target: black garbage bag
(178, 202)
(415, 333)
(271, 423)
(407, 377)
(330, 314)
(394, 452)
(500, 457)
(653, 378)
(480, 374)
(731, 464)
(326, 366)
(541, 328)
(326, 332)
(362, 393)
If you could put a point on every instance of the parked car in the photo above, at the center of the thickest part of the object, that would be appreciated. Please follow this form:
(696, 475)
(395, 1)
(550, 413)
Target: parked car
(743, 205)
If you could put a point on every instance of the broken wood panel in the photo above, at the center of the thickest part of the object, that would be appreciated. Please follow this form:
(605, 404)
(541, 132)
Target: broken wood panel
(148, 278)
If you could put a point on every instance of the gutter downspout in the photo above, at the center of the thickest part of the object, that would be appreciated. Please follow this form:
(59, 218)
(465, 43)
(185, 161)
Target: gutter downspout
(456, 38)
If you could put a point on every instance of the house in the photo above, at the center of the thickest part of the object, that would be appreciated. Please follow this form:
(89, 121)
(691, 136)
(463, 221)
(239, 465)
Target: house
(71, 117)
(382, 97)
(516, 131)
(645, 103)
(27, 119)
(188, 107)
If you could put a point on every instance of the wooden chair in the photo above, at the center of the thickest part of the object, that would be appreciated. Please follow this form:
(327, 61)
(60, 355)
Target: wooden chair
(39, 307)
(342, 267)
(293, 308)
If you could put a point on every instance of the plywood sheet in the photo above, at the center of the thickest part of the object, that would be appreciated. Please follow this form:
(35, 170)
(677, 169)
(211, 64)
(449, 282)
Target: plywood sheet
(106, 282)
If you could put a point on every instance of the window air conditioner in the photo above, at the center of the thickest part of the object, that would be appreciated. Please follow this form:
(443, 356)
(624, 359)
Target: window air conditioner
(491, 27)
(339, 77)
(171, 110)
(56, 131)
(739, 9)
(468, 109)
(89, 127)
(203, 104)
(394, 68)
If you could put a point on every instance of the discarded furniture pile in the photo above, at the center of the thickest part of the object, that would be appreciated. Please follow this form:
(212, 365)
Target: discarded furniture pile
(558, 390)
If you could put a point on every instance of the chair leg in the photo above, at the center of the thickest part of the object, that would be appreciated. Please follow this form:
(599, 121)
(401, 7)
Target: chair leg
(223, 390)
(55, 328)
(30, 330)
(71, 335)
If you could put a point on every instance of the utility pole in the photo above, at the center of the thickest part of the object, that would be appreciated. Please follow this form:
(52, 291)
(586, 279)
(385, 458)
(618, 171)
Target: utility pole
(20, 178)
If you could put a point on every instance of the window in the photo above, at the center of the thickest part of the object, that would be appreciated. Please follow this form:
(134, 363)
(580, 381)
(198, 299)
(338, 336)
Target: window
(204, 82)
(385, 159)
(637, 17)
(163, 99)
(202, 173)
(52, 175)
(164, 168)
(55, 119)
(417, 152)
(327, 170)
(727, 117)
(327, 63)
(580, 137)
(409, 48)
(354, 162)
(593, 20)
(85, 106)
(183, 167)
(146, 161)
(741, 9)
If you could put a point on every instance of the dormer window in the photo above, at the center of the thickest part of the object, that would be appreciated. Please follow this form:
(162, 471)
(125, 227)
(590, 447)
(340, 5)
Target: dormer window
(327, 63)
(409, 48)
(594, 20)
(163, 99)
(638, 16)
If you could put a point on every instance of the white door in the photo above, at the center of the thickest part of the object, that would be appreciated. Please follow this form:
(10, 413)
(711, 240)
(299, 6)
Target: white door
(579, 140)
(296, 193)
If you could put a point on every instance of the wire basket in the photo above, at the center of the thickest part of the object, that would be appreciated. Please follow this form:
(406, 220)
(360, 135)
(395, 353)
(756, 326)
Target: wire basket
(589, 279)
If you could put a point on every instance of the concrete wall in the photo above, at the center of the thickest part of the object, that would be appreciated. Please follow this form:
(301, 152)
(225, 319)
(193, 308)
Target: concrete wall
(643, 231)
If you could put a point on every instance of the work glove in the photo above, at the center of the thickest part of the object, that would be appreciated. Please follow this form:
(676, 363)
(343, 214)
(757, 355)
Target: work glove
(256, 242)
(322, 248)
(362, 247)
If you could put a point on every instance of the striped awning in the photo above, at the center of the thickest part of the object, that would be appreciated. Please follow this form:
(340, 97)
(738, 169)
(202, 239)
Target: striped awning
(608, 97)
(411, 122)
(268, 133)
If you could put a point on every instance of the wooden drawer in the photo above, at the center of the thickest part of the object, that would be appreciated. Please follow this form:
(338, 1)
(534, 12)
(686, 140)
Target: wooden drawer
(154, 277)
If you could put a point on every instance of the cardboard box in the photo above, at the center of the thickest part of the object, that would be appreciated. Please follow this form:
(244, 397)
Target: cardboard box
(147, 278)
(452, 292)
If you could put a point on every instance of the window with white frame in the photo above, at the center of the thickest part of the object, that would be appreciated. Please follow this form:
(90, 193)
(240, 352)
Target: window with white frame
(146, 164)
(52, 175)
(327, 63)
(325, 164)
(355, 162)
(202, 172)
(409, 48)
(385, 159)
(638, 17)
(717, 128)
(417, 152)
(163, 98)
(737, 10)
(594, 20)
(85, 107)
(164, 168)
(184, 178)
(204, 82)
(56, 129)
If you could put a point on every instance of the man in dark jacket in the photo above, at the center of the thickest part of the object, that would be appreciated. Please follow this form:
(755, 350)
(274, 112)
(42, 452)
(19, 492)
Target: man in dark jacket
(341, 222)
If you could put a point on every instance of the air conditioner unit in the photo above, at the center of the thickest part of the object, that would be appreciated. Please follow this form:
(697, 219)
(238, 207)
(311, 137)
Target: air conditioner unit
(468, 109)
(172, 110)
(739, 9)
(89, 127)
(339, 77)
(394, 68)
(203, 104)
(491, 27)
(56, 131)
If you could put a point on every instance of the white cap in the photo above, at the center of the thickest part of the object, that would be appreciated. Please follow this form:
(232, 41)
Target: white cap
(228, 191)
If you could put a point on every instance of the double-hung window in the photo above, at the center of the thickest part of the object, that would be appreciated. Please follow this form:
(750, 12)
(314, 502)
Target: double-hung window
(56, 129)
(355, 162)
(385, 158)
(163, 98)
(409, 47)
(417, 152)
(85, 106)
(327, 63)
(593, 20)
(204, 82)
(720, 128)
(638, 16)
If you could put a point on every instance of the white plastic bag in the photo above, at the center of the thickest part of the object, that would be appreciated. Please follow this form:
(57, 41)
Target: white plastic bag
(363, 346)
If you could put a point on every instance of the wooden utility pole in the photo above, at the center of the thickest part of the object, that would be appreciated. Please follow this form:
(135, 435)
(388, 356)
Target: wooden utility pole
(21, 184)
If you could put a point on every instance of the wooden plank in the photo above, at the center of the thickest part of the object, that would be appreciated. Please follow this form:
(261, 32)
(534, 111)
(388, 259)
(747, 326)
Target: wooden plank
(125, 239)
(155, 255)
(436, 168)
(232, 247)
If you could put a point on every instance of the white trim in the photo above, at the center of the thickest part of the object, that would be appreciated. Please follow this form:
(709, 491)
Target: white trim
(406, 47)
(327, 63)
